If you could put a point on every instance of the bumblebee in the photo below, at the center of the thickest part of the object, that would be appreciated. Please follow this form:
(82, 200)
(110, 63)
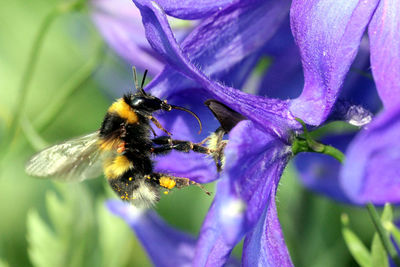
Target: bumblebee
(122, 149)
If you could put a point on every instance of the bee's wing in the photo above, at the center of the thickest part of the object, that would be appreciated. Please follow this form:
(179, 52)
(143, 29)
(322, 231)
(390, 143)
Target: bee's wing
(73, 160)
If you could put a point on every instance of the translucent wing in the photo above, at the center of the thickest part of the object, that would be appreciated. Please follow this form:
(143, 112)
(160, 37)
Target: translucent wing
(73, 160)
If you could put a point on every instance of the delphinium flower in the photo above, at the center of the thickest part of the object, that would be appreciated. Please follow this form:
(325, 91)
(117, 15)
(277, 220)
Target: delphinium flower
(369, 172)
(258, 148)
(269, 112)
(120, 24)
(239, 60)
(357, 103)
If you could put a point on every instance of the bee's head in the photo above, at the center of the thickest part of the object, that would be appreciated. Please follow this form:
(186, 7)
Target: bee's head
(143, 102)
(148, 103)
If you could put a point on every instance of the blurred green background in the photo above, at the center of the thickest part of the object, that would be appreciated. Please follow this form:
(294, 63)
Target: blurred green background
(43, 223)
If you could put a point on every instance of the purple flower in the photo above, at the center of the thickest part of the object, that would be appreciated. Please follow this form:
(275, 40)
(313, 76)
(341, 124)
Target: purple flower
(328, 34)
(258, 149)
(226, 46)
(371, 171)
(165, 245)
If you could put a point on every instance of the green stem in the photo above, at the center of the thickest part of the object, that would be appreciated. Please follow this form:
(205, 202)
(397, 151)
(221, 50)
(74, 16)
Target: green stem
(28, 74)
(383, 235)
(307, 144)
(31, 66)
(334, 152)
(77, 80)
(32, 136)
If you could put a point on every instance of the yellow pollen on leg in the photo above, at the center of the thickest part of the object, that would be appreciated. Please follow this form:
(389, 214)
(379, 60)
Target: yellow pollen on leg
(167, 182)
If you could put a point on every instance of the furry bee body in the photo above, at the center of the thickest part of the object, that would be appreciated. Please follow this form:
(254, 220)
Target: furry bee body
(124, 148)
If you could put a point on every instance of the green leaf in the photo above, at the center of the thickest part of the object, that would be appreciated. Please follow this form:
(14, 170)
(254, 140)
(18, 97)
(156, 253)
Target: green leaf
(44, 248)
(378, 253)
(387, 214)
(3, 263)
(69, 239)
(394, 231)
(356, 247)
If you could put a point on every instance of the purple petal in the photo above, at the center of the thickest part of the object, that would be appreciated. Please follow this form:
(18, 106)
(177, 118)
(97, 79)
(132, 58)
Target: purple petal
(120, 24)
(229, 36)
(164, 245)
(264, 111)
(358, 99)
(254, 162)
(371, 169)
(211, 249)
(265, 245)
(359, 87)
(284, 78)
(384, 37)
(328, 34)
(320, 173)
(172, 85)
(194, 9)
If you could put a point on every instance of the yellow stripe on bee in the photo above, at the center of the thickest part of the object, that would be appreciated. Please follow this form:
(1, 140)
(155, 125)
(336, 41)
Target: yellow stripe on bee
(116, 167)
(167, 182)
(122, 109)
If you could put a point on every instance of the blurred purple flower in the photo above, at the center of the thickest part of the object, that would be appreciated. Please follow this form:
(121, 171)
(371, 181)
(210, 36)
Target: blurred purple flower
(120, 24)
(328, 34)
(165, 245)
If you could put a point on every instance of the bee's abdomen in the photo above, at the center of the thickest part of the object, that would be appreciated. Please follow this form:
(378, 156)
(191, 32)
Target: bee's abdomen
(117, 167)
(133, 187)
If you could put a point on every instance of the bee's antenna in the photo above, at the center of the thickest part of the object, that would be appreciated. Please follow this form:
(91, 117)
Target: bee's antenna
(141, 86)
(140, 89)
(192, 113)
(135, 77)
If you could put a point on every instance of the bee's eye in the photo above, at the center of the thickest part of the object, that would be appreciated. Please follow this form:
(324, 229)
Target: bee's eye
(138, 102)
(146, 104)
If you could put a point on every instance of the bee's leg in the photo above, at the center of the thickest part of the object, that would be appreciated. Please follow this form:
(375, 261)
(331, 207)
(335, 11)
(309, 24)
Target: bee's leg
(158, 124)
(217, 144)
(154, 132)
(169, 182)
(166, 144)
